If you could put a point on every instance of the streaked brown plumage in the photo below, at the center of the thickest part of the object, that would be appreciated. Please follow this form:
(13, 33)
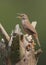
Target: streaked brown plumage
(28, 27)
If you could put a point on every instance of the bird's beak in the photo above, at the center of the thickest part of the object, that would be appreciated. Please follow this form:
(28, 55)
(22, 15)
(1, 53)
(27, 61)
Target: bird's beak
(19, 15)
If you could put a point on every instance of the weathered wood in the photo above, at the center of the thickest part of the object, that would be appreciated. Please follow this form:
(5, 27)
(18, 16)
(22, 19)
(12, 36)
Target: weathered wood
(3, 31)
(30, 59)
(27, 51)
(28, 54)
(4, 55)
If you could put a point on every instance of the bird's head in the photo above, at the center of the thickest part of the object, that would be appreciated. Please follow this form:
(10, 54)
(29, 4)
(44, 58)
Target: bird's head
(22, 16)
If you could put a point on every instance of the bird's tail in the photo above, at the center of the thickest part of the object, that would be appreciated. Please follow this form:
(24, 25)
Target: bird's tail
(38, 41)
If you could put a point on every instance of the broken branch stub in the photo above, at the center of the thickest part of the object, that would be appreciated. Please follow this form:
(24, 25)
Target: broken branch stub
(2, 30)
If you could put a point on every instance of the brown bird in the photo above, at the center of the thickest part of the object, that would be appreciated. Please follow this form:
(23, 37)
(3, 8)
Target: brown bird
(28, 27)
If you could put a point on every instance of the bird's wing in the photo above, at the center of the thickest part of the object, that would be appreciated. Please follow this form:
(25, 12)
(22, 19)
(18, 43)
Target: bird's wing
(29, 26)
(34, 23)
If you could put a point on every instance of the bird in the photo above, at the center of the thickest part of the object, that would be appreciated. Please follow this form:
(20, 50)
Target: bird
(28, 28)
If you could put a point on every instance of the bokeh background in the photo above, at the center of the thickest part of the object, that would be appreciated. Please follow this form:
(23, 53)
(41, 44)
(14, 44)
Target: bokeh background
(35, 9)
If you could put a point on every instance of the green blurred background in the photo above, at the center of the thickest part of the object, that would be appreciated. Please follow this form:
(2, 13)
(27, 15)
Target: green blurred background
(35, 9)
